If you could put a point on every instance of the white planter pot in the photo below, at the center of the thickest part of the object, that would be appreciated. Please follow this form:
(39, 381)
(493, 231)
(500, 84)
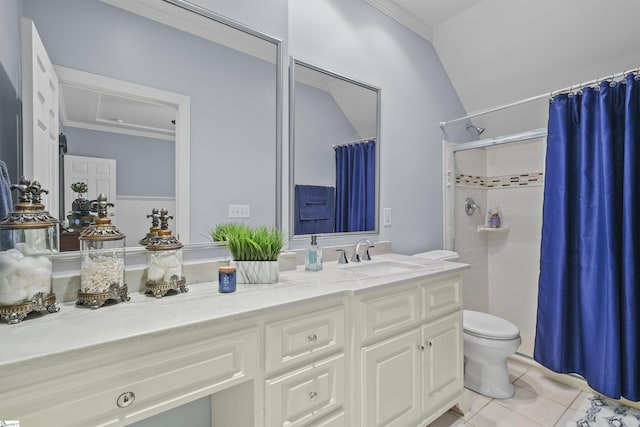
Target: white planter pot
(256, 271)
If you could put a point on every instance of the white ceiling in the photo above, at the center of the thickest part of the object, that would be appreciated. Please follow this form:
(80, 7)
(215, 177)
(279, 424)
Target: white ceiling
(500, 51)
(96, 110)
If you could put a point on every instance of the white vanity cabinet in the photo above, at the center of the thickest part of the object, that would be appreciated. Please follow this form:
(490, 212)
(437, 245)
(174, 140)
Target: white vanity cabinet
(326, 349)
(305, 365)
(411, 352)
(122, 383)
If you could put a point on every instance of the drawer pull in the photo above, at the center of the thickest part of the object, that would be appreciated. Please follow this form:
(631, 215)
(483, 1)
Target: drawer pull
(126, 399)
(421, 347)
(312, 338)
(313, 395)
(429, 343)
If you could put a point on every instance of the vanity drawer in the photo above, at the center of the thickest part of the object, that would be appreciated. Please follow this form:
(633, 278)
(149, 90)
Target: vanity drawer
(301, 338)
(134, 389)
(307, 393)
(334, 420)
(389, 313)
(440, 297)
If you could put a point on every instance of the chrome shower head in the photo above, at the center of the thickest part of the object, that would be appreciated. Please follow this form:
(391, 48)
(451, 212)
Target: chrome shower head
(478, 129)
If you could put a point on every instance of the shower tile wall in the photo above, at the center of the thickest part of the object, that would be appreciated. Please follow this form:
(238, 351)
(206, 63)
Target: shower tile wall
(503, 278)
(514, 256)
(471, 245)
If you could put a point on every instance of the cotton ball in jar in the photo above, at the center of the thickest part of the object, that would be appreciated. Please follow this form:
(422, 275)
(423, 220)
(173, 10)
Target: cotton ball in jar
(11, 295)
(171, 272)
(155, 273)
(15, 254)
(44, 262)
(8, 263)
(41, 281)
(168, 260)
(26, 267)
(5, 290)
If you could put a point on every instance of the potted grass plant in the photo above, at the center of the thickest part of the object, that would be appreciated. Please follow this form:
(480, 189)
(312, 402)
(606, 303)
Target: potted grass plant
(255, 250)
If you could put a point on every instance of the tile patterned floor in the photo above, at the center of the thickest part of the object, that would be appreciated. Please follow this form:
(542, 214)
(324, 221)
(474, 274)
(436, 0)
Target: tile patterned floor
(538, 401)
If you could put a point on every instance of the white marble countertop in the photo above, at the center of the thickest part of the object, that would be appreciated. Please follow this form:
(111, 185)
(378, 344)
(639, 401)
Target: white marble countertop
(77, 328)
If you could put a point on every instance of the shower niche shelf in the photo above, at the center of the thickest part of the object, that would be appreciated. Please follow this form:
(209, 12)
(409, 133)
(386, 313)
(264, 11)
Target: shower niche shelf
(482, 229)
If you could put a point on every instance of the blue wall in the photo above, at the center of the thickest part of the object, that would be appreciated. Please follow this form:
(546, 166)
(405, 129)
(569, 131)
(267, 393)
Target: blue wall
(320, 122)
(144, 166)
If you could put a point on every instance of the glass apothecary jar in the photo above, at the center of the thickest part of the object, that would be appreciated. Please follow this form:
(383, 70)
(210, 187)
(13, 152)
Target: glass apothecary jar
(28, 237)
(102, 260)
(164, 271)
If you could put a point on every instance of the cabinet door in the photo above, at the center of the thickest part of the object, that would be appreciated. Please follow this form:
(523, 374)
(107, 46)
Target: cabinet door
(391, 381)
(443, 360)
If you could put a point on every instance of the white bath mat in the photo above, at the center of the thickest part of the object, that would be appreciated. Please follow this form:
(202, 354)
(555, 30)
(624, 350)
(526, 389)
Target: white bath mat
(596, 411)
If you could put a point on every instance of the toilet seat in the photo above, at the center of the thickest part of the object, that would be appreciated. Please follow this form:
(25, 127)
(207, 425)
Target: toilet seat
(483, 325)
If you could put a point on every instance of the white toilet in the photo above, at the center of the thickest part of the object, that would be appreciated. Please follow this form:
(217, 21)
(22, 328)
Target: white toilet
(488, 342)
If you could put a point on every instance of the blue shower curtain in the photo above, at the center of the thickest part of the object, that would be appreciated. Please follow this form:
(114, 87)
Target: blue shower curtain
(589, 288)
(355, 186)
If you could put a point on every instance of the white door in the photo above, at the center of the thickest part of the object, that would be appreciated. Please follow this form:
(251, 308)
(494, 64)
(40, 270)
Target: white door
(391, 381)
(99, 175)
(39, 115)
(443, 360)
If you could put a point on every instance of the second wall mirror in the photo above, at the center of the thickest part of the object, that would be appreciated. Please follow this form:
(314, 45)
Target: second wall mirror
(334, 152)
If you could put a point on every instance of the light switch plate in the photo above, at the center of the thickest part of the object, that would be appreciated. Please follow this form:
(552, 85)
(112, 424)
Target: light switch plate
(239, 211)
(386, 216)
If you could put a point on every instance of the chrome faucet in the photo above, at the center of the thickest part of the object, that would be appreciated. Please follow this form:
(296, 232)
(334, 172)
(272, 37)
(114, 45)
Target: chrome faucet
(356, 254)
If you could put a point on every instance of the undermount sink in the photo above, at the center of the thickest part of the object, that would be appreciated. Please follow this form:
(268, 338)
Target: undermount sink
(383, 268)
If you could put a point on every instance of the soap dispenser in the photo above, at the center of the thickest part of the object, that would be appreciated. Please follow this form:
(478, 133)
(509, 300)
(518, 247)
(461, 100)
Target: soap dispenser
(313, 256)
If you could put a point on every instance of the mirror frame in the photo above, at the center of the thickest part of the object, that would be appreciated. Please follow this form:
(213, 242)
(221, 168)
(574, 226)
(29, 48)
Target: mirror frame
(142, 7)
(292, 81)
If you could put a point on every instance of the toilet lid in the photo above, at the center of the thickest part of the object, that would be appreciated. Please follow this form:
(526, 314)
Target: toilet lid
(487, 326)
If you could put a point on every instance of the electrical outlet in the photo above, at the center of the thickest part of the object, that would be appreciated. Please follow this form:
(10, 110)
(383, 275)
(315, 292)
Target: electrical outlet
(239, 211)
(386, 216)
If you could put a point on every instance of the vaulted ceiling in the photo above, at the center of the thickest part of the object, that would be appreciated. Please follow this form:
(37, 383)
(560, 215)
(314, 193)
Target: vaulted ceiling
(500, 51)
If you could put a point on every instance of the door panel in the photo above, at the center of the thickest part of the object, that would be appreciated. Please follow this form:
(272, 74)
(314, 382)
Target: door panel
(443, 364)
(99, 175)
(391, 381)
(39, 116)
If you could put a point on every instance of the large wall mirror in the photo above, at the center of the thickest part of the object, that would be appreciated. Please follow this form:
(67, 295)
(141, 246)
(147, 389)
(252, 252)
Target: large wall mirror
(187, 103)
(334, 171)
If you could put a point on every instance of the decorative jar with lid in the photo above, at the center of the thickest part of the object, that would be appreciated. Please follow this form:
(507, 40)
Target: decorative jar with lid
(164, 272)
(102, 264)
(154, 230)
(28, 237)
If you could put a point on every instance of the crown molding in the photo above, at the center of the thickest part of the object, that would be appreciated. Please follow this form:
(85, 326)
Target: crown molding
(396, 12)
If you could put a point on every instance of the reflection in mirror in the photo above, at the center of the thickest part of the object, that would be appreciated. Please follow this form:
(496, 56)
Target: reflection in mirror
(110, 128)
(226, 76)
(335, 150)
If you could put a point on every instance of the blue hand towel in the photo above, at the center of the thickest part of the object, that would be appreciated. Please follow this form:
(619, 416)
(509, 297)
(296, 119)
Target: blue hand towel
(6, 203)
(7, 237)
(314, 209)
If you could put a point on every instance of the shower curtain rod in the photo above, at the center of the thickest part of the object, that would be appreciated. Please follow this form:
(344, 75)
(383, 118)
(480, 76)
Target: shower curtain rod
(353, 142)
(535, 98)
(498, 140)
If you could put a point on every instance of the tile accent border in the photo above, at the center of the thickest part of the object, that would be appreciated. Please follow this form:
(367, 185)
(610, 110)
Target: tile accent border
(526, 179)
